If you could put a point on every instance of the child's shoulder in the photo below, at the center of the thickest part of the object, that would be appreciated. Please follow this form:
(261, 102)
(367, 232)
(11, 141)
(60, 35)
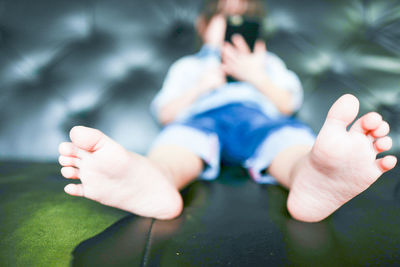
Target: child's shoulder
(274, 59)
(186, 62)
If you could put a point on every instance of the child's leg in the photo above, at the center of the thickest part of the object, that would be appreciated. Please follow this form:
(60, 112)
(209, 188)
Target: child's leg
(183, 165)
(113, 176)
(341, 164)
(283, 164)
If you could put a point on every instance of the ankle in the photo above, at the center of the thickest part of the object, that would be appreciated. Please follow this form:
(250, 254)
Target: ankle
(164, 169)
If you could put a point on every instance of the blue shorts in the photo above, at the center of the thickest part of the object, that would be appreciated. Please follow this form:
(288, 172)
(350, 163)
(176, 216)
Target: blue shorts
(238, 134)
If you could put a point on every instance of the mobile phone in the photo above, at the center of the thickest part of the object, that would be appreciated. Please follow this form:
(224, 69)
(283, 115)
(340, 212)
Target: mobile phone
(249, 28)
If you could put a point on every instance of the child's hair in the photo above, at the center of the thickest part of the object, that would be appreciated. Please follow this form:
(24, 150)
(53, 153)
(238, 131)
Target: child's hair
(255, 8)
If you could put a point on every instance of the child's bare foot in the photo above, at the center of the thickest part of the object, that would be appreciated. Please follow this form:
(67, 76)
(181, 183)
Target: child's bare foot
(341, 164)
(116, 177)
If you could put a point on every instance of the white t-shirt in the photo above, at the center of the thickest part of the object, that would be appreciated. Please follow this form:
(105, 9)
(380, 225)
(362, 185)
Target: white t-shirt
(188, 70)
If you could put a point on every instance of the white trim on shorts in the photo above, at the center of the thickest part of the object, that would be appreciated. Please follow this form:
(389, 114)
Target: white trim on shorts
(204, 145)
(273, 144)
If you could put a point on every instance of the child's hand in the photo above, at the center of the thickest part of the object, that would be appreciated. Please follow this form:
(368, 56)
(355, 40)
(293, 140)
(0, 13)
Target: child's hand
(212, 79)
(242, 64)
(213, 34)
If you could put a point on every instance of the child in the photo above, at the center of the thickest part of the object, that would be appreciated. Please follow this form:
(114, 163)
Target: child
(208, 120)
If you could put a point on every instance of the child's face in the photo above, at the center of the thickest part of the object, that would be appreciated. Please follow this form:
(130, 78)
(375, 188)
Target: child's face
(233, 7)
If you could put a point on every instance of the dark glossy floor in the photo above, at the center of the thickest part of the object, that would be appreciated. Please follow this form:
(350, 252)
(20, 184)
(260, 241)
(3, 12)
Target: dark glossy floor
(229, 222)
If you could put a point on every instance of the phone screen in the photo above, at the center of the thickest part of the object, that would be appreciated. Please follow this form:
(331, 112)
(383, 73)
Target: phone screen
(247, 27)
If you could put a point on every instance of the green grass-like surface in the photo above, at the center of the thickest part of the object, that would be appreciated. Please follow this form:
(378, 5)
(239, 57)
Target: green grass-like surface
(39, 224)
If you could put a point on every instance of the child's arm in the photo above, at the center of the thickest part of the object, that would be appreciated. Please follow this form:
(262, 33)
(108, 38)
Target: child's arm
(281, 98)
(209, 81)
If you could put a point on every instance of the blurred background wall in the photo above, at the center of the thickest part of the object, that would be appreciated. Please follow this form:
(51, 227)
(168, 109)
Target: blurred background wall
(99, 63)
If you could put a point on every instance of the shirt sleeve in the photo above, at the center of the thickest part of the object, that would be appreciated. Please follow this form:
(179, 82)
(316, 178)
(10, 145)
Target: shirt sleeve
(179, 78)
(284, 78)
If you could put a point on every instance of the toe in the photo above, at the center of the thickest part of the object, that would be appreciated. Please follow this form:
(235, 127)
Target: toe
(74, 190)
(68, 149)
(382, 130)
(70, 172)
(386, 163)
(371, 121)
(368, 122)
(383, 144)
(68, 161)
(88, 139)
(344, 110)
